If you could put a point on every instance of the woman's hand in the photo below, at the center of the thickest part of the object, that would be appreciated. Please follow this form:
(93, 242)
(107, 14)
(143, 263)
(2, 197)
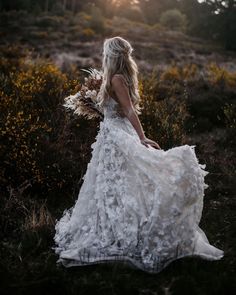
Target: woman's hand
(146, 141)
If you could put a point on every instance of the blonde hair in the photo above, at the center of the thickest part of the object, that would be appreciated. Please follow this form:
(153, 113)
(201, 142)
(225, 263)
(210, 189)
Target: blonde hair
(117, 59)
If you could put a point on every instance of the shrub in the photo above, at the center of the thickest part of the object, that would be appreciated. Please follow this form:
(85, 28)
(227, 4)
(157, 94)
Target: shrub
(219, 76)
(132, 13)
(173, 19)
(157, 27)
(164, 110)
(97, 20)
(49, 21)
(88, 32)
(38, 216)
(83, 18)
(43, 144)
(230, 117)
(39, 35)
(32, 121)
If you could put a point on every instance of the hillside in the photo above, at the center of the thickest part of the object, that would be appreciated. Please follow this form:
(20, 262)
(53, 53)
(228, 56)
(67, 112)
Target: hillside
(70, 39)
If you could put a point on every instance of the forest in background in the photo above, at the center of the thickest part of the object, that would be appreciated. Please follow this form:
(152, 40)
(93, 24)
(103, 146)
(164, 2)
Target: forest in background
(187, 83)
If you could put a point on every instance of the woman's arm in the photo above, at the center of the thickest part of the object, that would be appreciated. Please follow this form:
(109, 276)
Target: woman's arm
(126, 104)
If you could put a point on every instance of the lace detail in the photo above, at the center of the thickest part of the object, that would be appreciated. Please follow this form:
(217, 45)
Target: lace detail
(138, 205)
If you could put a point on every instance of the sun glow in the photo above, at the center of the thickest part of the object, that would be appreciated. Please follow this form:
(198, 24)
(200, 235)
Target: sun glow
(124, 2)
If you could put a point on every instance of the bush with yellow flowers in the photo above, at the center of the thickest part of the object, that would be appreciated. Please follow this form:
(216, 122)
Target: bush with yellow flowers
(43, 143)
(181, 100)
(34, 122)
(164, 108)
(219, 76)
(230, 114)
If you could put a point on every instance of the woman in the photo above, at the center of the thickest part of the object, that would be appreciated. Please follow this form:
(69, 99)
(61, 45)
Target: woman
(138, 203)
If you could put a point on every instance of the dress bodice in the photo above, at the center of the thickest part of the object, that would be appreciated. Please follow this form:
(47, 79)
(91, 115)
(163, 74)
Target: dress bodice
(111, 109)
(113, 115)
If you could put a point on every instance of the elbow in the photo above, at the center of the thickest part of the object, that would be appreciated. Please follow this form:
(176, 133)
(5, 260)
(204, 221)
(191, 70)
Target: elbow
(129, 112)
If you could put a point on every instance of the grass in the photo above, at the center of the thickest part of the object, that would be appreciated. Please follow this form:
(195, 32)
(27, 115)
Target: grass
(28, 265)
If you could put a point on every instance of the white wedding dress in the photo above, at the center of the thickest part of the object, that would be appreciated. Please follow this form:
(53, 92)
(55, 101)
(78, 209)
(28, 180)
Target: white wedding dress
(138, 205)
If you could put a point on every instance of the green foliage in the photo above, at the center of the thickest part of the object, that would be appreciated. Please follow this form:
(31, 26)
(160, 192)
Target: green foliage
(219, 76)
(181, 100)
(153, 9)
(230, 115)
(164, 109)
(97, 20)
(131, 12)
(49, 21)
(33, 122)
(214, 20)
(173, 19)
(40, 141)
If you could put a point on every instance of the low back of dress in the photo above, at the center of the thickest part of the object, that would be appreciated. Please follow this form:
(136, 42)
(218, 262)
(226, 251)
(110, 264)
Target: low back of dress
(111, 108)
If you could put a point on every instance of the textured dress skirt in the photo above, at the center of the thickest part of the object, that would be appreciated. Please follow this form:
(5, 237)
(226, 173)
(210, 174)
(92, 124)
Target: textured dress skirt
(138, 205)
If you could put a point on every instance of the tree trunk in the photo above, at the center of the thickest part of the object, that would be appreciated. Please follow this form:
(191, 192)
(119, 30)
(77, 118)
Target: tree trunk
(46, 6)
(230, 27)
(73, 6)
(64, 4)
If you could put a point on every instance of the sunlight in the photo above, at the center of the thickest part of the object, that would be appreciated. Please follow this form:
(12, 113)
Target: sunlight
(124, 2)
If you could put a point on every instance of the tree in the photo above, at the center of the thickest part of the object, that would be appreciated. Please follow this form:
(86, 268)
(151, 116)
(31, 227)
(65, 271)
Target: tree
(152, 9)
(173, 19)
(97, 20)
(212, 19)
(226, 15)
(46, 5)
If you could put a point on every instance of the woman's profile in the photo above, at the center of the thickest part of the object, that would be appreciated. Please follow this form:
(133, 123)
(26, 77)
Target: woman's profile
(138, 203)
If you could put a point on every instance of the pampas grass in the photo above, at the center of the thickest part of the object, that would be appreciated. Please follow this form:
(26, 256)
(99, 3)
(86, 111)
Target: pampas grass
(84, 102)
